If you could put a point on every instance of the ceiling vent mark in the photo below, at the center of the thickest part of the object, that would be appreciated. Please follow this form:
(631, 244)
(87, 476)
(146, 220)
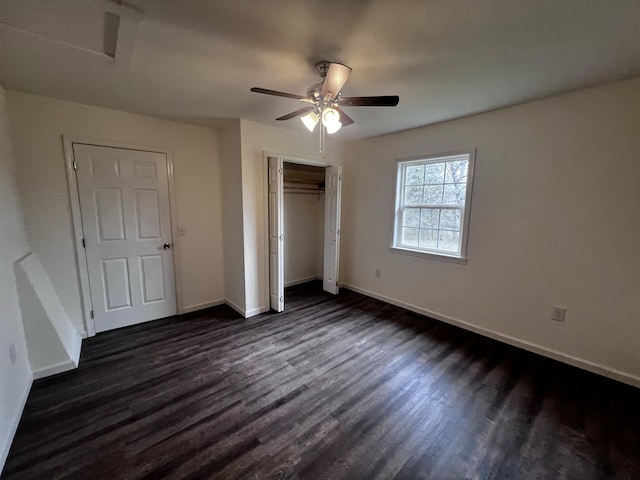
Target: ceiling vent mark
(106, 29)
(111, 27)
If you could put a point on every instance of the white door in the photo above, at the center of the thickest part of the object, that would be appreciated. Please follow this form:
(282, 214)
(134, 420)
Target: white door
(124, 203)
(276, 234)
(332, 201)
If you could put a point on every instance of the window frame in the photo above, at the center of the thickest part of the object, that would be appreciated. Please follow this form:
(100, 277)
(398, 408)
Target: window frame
(400, 164)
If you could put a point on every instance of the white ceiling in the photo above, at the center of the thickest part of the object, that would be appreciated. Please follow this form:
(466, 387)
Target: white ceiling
(195, 61)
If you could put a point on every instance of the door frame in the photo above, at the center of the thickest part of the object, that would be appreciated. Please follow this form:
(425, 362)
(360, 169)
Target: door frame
(76, 217)
(266, 300)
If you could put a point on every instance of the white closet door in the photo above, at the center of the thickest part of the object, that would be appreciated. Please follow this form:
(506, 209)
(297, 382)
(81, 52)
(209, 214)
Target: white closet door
(332, 199)
(124, 202)
(276, 234)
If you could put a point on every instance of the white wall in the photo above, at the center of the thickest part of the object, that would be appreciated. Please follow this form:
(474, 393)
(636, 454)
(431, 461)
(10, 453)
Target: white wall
(554, 221)
(53, 342)
(257, 138)
(37, 126)
(15, 378)
(303, 237)
(231, 172)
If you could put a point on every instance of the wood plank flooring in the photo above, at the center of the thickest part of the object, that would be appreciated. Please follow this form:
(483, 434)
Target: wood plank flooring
(340, 387)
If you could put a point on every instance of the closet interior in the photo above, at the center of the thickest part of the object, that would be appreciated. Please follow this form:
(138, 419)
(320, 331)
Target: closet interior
(304, 206)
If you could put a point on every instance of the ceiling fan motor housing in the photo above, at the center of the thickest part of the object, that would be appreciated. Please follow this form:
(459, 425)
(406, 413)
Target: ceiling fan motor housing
(323, 67)
(314, 91)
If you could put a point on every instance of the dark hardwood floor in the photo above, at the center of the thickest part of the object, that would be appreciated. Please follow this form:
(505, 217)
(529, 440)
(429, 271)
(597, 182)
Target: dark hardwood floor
(334, 388)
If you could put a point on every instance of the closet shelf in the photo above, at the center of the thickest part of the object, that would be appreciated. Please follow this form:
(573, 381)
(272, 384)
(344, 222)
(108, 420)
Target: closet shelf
(314, 191)
(302, 185)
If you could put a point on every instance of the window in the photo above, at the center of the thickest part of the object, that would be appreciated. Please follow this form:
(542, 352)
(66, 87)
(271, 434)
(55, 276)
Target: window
(432, 205)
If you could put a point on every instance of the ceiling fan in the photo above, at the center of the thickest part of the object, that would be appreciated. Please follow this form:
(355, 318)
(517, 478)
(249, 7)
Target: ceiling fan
(325, 100)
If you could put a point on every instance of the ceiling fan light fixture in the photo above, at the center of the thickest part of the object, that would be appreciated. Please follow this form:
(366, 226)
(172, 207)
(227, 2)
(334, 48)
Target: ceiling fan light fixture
(310, 121)
(331, 120)
(334, 127)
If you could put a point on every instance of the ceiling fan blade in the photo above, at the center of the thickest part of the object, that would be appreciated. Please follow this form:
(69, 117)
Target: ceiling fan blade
(344, 118)
(381, 101)
(335, 79)
(295, 114)
(278, 94)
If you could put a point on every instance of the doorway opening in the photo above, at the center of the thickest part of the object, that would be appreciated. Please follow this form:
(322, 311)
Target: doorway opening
(304, 225)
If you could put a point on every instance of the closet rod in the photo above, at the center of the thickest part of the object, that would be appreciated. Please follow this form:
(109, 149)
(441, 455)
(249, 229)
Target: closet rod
(303, 190)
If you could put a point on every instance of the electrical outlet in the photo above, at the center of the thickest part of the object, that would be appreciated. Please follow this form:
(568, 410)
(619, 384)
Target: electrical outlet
(12, 353)
(182, 231)
(378, 273)
(558, 313)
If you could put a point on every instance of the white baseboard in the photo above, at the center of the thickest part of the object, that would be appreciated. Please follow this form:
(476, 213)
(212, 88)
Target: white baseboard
(4, 453)
(256, 311)
(291, 283)
(202, 306)
(247, 313)
(54, 369)
(241, 311)
(77, 348)
(516, 342)
(70, 364)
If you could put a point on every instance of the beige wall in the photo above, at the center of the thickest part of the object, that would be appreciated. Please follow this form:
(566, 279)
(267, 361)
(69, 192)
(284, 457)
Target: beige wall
(257, 138)
(231, 170)
(37, 126)
(303, 237)
(15, 378)
(554, 221)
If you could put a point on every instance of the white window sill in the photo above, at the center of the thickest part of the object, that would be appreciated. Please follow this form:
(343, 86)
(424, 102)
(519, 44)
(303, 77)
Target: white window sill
(430, 255)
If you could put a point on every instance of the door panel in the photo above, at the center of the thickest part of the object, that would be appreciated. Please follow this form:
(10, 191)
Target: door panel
(105, 166)
(109, 213)
(152, 278)
(124, 203)
(276, 234)
(332, 199)
(147, 214)
(145, 170)
(116, 288)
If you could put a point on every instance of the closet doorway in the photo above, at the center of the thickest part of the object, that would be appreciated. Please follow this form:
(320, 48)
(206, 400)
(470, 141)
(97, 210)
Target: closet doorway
(304, 225)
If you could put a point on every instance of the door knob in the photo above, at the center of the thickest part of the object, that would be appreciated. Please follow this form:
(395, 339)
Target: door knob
(166, 246)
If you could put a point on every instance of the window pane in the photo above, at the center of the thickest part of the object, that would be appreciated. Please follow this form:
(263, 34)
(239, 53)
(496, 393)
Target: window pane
(410, 236)
(449, 241)
(411, 217)
(434, 173)
(457, 172)
(429, 217)
(433, 194)
(414, 175)
(431, 205)
(428, 238)
(454, 194)
(450, 219)
(413, 195)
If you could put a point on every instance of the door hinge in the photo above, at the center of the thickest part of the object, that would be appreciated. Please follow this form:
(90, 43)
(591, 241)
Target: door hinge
(280, 171)
(281, 299)
(75, 165)
(84, 244)
(91, 314)
(340, 177)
